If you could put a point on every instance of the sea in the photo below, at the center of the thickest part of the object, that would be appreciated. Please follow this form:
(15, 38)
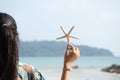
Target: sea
(89, 67)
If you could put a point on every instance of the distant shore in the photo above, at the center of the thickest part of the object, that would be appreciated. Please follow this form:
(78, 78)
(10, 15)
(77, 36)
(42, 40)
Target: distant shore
(56, 49)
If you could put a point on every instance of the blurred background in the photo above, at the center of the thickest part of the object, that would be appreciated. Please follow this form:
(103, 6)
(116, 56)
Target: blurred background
(97, 25)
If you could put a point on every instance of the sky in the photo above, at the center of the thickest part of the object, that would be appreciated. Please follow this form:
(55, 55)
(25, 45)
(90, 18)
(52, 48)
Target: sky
(96, 22)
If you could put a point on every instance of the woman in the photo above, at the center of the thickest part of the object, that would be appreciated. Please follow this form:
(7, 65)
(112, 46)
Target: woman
(10, 68)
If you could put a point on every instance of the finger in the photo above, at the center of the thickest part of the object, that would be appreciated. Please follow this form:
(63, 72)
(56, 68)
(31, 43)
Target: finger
(78, 52)
(77, 49)
(67, 50)
(68, 47)
(71, 46)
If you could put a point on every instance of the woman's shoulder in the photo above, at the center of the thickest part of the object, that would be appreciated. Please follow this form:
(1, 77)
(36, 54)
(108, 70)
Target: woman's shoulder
(25, 73)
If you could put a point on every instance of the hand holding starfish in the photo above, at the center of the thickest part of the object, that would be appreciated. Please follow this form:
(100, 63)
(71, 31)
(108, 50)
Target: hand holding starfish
(67, 35)
(72, 53)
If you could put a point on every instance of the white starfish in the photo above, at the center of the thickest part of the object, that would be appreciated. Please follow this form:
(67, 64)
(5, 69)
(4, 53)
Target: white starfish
(67, 35)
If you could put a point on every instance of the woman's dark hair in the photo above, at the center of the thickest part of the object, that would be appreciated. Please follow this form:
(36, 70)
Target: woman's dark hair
(8, 48)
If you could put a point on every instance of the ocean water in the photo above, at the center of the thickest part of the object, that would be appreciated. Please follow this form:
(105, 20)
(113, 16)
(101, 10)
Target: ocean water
(82, 62)
(89, 67)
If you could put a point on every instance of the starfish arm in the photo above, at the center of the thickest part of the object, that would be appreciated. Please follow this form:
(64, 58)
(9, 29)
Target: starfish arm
(70, 30)
(68, 41)
(63, 30)
(73, 37)
(61, 37)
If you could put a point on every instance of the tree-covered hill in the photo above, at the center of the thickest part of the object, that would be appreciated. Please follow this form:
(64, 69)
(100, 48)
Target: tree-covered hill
(54, 48)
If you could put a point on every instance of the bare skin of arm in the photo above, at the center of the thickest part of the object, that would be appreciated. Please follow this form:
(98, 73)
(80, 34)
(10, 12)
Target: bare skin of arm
(72, 53)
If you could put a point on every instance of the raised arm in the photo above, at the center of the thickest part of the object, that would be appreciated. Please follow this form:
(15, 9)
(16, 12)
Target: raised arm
(72, 53)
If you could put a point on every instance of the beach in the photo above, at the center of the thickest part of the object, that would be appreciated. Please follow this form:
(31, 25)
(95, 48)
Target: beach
(89, 67)
(80, 74)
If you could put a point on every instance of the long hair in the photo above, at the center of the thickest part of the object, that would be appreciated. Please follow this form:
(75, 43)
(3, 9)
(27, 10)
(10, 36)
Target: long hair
(8, 47)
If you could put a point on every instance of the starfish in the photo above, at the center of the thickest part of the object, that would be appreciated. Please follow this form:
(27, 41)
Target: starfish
(67, 35)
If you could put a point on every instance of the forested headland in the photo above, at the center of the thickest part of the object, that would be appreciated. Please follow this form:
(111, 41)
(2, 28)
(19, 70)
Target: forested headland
(56, 48)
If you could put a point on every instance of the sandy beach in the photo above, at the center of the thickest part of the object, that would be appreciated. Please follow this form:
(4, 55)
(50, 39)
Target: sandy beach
(80, 74)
